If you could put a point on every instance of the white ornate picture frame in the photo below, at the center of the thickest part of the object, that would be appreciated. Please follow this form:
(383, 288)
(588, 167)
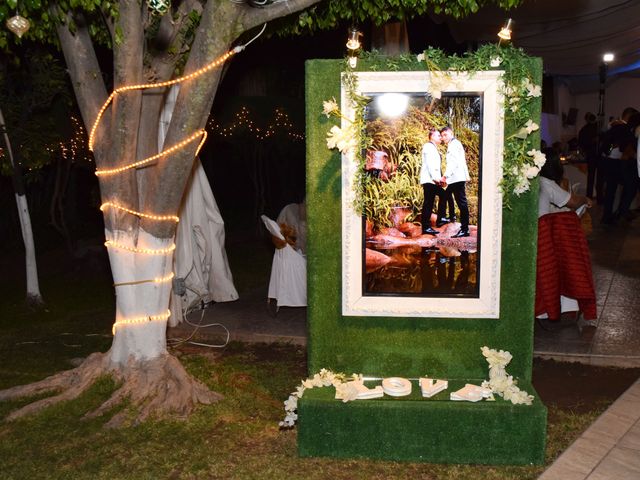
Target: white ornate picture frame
(488, 85)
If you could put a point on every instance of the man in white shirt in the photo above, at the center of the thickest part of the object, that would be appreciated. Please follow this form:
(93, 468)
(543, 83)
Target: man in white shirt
(431, 178)
(456, 177)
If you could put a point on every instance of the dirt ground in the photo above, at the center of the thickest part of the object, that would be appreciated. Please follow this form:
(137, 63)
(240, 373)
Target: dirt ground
(577, 387)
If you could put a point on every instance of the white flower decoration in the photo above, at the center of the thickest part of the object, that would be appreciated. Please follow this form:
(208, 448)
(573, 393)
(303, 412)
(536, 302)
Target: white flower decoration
(521, 186)
(330, 107)
(495, 61)
(438, 83)
(420, 57)
(342, 139)
(532, 171)
(346, 392)
(531, 126)
(525, 131)
(532, 90)
(499, 381)
(324, 378)
(291, 403)
(539, 158)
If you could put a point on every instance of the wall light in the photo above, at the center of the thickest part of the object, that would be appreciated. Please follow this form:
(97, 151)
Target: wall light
(608, 57)
(505, 32)
(353, 40)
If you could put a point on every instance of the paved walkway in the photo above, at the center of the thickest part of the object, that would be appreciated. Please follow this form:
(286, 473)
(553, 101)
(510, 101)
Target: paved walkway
(610, 448)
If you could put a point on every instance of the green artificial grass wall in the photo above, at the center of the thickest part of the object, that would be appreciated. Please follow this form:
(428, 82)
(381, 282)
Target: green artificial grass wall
(399, 346)
(416, 429)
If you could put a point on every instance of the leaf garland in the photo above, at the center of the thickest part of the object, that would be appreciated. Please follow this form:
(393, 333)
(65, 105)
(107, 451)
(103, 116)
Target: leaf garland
(521, 158)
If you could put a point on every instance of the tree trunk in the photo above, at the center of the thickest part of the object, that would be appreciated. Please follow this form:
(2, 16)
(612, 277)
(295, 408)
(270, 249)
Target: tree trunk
(141, 248)
(34, 298)
(391, 38)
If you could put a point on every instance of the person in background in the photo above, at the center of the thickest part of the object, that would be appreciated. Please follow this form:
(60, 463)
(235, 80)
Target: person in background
(293, 225)
(588, 143)
(619, 148)
(553, 198)
(456, 177)
(431, 180)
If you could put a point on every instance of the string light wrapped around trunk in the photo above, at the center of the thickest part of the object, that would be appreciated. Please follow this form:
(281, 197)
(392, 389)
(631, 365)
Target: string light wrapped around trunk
(160, 6)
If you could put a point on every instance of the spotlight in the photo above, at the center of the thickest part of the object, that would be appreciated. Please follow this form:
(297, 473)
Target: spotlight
(353, 40)
(392, 105)
(608, 57)
(505, 32)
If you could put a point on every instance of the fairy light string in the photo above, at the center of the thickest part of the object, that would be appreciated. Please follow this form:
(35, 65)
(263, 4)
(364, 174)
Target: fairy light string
(200, 134)
(158, 218)
(140, 320)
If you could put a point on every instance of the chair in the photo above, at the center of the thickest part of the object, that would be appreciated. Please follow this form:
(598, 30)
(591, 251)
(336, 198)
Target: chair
(288, 282)
(563, 267)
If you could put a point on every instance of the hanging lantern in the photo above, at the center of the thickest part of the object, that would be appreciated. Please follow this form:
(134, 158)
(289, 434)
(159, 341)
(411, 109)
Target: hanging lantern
(159, 7)
(18, 25)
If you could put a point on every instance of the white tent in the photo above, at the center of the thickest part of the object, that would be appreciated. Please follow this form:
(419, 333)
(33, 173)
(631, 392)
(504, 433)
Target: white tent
(201, 267)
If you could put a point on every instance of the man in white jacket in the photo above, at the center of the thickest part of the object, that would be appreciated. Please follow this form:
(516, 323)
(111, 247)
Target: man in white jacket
(456, 177)
(431, 180)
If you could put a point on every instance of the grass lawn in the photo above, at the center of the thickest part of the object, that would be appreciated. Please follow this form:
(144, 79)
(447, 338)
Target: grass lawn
(237, 438)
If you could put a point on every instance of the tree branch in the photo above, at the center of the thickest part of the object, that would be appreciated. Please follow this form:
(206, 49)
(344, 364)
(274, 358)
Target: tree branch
(213, 39)
(161, 68)
(252, 17)
(125, 117)
(83, 68)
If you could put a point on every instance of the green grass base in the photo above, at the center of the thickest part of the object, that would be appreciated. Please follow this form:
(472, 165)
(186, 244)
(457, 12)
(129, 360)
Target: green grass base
(411, 428)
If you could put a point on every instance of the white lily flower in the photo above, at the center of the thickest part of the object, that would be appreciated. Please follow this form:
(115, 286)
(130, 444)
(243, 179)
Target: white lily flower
(531, 126)
(420, 57)
(521, 187)
(539, 158)
(342, 139)
(532, 90)
(495, 61)
(329, 107)
(532, 171)
(525, 131)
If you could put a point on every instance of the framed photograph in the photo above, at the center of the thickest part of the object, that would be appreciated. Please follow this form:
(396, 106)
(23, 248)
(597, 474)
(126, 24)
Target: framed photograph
(425, 239)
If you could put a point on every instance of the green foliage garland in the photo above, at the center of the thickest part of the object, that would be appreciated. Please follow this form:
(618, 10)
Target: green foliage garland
(522, 159)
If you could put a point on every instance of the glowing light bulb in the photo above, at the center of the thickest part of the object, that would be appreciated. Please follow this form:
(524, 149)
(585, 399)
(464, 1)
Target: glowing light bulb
(505, 32)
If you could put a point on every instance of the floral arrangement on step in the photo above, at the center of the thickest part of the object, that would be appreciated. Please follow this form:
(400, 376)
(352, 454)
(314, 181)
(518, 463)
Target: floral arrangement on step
(500, 383)
(325, 378)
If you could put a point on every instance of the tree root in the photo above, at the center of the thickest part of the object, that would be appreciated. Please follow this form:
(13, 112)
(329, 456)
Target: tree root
(154, 388)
